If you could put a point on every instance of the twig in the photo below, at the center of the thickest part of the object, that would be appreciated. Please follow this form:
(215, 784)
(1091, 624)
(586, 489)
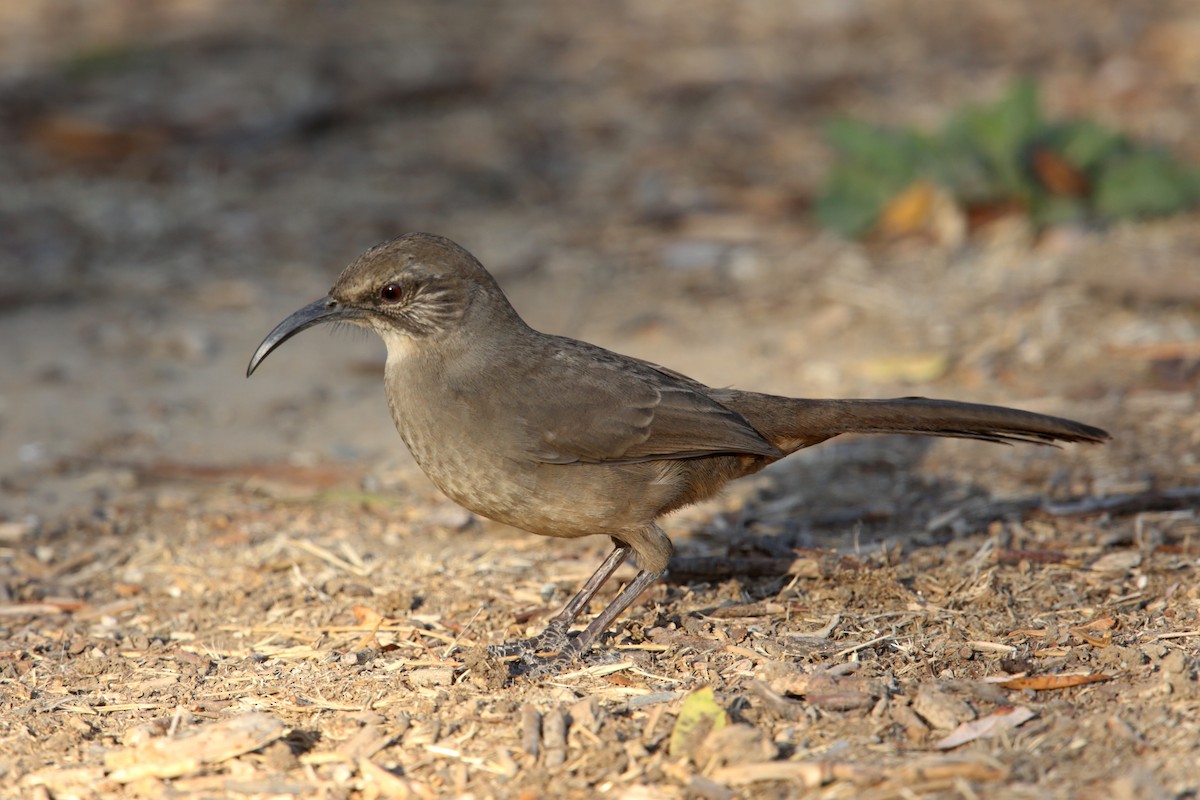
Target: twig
(1183, 497)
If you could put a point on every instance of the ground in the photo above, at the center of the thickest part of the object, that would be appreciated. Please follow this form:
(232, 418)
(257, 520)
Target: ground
(221, 587)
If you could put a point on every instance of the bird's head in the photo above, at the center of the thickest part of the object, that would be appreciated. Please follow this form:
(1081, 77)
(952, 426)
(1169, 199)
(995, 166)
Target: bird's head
(418, 286)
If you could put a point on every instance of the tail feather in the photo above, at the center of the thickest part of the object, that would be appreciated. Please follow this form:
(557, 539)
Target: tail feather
(794, 423)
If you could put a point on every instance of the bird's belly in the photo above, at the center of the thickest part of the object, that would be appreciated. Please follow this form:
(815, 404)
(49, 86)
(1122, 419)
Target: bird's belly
(465, 452)
(565, 500)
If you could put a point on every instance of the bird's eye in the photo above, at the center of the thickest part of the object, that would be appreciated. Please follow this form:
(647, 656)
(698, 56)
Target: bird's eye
(391, 293)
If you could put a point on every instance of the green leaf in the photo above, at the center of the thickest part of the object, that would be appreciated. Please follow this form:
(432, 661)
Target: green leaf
(699, 716)
(893, 155)
(852, 200)
(1145, 184)
(1003, 153)
(876, 164)
(109, 59)
(960, 169)
(1085, 144)
(999, 134)
(1048, 210)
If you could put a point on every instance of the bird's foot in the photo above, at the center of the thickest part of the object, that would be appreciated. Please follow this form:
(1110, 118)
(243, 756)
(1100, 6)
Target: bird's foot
(552, 640)
(553, 665)
(516, 647)
(546, 667)
(569, 658)
(549, 653)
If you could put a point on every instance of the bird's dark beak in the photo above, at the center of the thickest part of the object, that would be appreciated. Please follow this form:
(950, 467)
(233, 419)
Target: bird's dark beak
(324, 310)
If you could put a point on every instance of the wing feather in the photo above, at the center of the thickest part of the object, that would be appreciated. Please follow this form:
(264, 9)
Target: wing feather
(620, 410)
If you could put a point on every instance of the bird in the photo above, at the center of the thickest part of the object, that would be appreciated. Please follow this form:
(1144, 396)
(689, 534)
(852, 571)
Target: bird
(564, 438)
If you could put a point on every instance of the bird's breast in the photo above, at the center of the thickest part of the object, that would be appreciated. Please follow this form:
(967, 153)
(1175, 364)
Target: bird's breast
(479, 467)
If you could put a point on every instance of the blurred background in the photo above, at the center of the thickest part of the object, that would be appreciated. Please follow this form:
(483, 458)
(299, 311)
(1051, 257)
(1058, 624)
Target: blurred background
(991, 201)
(177, 176)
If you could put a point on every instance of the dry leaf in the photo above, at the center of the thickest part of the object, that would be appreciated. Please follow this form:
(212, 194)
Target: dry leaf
(950, 768)
(995, 723)
(1044, 682)
(1121, 561)
(365, 615)
(1097, 633)
(918, 368)
(73, 138)
(1057, 174)
(908, 212)
(699, 716)
(924, 209)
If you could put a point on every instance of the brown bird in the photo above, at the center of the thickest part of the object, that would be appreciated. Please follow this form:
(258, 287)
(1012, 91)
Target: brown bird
(564, 438)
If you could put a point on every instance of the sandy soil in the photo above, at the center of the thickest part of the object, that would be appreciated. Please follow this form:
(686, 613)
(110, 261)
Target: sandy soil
(220, 587)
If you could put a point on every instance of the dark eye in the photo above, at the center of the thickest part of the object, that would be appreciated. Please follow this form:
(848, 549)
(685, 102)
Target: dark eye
(391, 293)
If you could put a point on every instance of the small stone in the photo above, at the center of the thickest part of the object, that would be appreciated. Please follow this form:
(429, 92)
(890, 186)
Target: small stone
(941, 709)
(431, 676)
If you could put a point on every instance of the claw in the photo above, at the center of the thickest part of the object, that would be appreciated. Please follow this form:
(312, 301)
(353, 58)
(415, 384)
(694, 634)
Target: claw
(554, 639)
(516, 647)
(547, 667)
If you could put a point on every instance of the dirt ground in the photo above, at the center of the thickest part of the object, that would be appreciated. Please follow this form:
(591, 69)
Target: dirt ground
(217, 587)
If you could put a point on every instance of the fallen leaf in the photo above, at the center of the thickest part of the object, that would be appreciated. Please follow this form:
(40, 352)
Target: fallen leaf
(365, 615)
(1057, 174)
(947, 768)
(999, 721)
(925, 209)
(917, 368)
(1121, 561)
(699, 716)
(1097, 633)
(909, 211)
(1044, 682)
(80, 140)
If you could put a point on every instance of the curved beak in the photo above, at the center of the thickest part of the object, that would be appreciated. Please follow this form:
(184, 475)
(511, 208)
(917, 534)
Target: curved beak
(324, 310)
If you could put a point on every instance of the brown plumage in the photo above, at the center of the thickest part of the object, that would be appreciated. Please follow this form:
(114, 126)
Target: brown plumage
(564, 438)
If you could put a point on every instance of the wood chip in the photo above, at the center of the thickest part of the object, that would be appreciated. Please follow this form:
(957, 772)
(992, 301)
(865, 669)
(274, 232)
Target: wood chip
(941, 708)
(809, 774)
(531, 729)
(383, 782)
(554, 737)
(190, 752)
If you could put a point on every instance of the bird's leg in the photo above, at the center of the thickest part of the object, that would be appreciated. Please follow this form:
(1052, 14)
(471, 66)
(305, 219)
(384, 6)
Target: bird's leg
(554, 637)
(576, 647)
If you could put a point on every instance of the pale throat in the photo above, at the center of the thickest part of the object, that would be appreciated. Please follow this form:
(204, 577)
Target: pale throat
(400, 345)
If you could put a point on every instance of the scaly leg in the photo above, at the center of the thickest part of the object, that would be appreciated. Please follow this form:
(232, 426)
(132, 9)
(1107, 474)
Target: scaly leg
(577, 646)
(554, 637)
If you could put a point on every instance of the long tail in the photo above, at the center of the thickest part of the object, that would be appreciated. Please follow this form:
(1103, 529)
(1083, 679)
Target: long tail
(794, 423)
